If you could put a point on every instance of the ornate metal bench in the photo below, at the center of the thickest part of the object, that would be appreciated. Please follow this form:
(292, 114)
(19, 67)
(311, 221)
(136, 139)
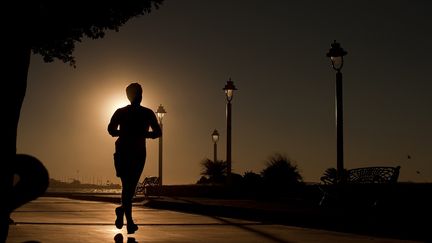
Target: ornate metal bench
(367, 184)
(373, 175)
(149, 184)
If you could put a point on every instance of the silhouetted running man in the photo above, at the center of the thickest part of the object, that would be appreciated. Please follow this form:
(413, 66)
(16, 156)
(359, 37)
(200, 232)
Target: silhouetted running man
(131, 124)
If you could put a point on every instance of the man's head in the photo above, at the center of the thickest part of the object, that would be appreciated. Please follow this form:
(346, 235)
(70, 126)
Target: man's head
(134, 93)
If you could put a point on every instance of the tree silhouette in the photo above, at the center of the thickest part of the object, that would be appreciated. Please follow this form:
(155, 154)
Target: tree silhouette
(51, 29)
(281, 173)
(216, 171)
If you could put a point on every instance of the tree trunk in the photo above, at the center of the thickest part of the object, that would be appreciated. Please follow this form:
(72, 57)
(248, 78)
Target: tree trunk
(13, 88)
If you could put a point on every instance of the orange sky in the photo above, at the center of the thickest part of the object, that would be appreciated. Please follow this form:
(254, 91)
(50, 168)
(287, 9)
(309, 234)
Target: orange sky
(183, 54)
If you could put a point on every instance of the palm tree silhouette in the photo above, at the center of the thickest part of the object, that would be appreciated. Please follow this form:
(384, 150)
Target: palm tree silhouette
(216, 171)
(330, 176)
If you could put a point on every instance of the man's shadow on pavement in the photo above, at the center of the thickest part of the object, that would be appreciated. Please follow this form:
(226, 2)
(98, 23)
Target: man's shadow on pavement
(118, 238)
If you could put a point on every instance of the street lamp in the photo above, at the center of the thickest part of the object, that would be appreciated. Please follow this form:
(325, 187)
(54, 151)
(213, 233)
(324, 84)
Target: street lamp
(215, 138)
(160, 114)
(229, 92)
(336, 54)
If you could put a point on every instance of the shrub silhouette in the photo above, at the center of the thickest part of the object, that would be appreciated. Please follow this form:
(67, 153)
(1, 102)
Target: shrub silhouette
(203, 180)
(281, 173)
(251, 179)
(236, 179)
(214, 171)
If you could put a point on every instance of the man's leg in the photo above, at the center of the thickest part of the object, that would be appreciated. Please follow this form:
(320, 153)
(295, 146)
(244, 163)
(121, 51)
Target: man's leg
(129, 187)
(128, 192)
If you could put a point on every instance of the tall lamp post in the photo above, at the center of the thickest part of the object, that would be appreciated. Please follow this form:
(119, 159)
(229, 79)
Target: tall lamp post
(336, 54)
(160, 114)
(229, 92)
(215, 138)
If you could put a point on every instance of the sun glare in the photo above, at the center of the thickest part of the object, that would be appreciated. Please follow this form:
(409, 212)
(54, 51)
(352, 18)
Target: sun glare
(112, 104)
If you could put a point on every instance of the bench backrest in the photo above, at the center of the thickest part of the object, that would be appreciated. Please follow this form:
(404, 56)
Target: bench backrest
(373, 175)
(151, 181)
(148, 183)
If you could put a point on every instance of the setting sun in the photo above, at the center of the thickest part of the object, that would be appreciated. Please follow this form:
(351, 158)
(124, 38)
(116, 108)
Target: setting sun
(112, 104)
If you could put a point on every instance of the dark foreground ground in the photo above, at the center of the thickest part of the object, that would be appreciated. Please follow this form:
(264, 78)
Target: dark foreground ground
(59, 219)
(405, 215)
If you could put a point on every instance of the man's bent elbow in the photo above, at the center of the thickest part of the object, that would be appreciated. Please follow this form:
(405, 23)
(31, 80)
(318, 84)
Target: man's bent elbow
(113, 132)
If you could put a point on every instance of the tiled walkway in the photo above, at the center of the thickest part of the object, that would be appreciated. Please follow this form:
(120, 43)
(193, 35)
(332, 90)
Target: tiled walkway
(50, 219)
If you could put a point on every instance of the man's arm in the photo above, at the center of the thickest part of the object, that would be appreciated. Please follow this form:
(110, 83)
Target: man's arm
(156, 130)
(113, 126)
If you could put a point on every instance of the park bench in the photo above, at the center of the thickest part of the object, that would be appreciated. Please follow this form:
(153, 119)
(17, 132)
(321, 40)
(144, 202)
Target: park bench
(366, 186)
(150, 185)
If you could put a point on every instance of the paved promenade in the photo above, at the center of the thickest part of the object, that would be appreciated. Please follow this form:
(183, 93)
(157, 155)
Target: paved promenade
(52, 219)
